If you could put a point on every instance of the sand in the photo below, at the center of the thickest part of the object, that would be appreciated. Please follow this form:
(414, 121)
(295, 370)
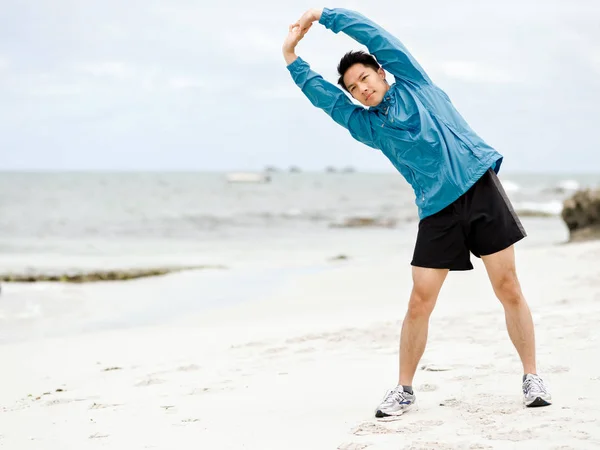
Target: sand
(304, 366)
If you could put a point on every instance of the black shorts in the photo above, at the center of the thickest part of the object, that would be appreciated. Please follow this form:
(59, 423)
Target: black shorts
(482, 221)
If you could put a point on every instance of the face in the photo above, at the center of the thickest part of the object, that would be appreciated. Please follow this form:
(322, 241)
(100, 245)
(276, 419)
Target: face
(365, 84)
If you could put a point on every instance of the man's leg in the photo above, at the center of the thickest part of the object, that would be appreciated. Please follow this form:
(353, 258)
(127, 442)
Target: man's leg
(426, 287)
(502, 272)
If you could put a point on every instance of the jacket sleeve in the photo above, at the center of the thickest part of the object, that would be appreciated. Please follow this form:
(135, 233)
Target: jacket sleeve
(387, 49)
(333, 101)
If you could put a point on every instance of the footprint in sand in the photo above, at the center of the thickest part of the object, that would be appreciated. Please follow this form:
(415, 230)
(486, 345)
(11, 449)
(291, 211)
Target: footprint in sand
(352, 446)
(427, 388)
(558, 369)
(249, 345)
(581, 435)
(429, 423)
(198, 391)
(275, 350)
(189, 420)
(103, 406)
(514, 435)
(437, 446)
(189, 368)
(63, 401)
(149, 382)
(98, 436)
(484, 367)
(306, 350)
(225, 385)
(450, 402)
(435, 368)
(461, 378)
(373, 428)
(421, 426)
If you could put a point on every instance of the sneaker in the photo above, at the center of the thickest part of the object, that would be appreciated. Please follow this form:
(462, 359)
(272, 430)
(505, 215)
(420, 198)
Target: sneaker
(535, 392)
(395, 402)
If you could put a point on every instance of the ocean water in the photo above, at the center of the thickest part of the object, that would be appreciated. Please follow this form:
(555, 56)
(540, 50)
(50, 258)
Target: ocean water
(51, 210)
(264, 234)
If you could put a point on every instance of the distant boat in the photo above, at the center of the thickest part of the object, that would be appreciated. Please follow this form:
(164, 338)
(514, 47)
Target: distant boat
(247, 177)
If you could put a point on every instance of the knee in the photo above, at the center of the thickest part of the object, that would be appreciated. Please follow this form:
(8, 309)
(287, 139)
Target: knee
(421, 304)
(508, 289)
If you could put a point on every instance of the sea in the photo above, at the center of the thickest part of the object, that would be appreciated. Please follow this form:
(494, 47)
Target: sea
(262, 234)
(64, 212)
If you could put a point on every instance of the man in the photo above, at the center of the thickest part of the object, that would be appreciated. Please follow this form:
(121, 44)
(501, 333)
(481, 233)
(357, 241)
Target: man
(462, 206)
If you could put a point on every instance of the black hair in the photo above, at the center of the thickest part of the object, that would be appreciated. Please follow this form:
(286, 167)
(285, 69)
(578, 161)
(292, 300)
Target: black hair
(351, 58)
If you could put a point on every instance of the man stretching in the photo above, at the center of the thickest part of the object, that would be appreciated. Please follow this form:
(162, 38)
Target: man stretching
(462, 206)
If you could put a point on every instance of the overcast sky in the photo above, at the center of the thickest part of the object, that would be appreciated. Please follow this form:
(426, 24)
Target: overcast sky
(181, 84)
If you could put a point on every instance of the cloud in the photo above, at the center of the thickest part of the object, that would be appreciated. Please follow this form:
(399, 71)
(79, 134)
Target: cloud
(109, 69)
(476, 72)
(252, 44)
(582, 45)
(278, 92)
(189, 75)
(185, 82)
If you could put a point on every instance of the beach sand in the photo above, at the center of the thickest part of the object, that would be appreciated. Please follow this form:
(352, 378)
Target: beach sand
(304, 366)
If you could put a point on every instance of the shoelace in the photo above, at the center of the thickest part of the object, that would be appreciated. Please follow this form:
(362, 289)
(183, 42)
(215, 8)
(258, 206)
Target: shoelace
(534, 384)
(395, 395)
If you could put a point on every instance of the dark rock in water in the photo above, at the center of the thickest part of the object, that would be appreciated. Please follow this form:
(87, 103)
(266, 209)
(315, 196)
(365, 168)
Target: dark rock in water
(339, 258)
(581, 213)
(87, 277)
(364, 222)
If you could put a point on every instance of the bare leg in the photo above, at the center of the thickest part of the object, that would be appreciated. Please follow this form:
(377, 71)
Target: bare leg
(426, 287)
(502, 272)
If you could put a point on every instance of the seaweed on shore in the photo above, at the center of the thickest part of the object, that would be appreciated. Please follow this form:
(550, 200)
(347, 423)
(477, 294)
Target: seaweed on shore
(96, 275)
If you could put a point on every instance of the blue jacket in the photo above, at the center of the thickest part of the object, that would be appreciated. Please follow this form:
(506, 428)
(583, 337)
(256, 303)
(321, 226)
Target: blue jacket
(415, 126)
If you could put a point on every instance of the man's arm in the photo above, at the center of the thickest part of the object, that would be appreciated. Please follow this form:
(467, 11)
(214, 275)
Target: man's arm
(389, 51)
(323, 94)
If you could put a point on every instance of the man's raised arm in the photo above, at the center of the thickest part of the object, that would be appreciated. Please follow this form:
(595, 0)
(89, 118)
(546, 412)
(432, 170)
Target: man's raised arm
(323, 94)
(389, 51)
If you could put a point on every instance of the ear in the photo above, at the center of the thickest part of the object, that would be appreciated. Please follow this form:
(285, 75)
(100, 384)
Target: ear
(381, 73)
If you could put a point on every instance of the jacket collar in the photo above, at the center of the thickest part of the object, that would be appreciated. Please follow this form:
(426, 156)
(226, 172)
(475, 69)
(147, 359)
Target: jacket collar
(387, 101)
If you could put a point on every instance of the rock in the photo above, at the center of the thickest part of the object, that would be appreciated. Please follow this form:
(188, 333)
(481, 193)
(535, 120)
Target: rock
(581, 213)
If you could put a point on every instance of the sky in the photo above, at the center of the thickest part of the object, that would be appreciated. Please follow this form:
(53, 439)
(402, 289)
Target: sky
(198, 85)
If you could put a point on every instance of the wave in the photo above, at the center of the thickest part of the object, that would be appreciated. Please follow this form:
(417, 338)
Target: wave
(569, 185)
(510, 186)
(538, 209)
(564, 187)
